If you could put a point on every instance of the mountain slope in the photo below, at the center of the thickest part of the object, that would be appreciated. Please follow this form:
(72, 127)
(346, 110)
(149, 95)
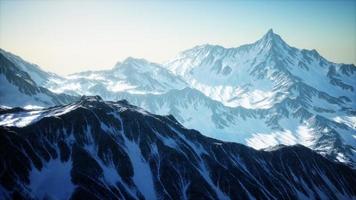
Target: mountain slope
(112, 150)
(39, 76)
(17, 88)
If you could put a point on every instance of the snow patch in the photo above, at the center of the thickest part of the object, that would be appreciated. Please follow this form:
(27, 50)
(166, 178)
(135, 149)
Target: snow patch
(142, 177)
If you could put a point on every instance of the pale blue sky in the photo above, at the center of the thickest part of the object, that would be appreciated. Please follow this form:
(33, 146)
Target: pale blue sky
(70, 36)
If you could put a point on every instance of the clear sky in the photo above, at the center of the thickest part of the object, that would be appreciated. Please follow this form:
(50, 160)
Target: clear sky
(71, 36)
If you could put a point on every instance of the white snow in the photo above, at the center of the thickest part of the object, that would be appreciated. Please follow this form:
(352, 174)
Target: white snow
(27, 117)
(306, 135)
(350, 121)
(65, 110)
(261, 141)
(20, 119)
(120, 86)
(31, 107)
(142, 172)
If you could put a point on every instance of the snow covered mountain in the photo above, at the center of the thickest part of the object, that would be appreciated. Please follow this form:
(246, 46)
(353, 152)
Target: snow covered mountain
(300, 110)
(92, 149)
(264, 73)
(303, 97)
(20, 84)
(261, 94)
(132, 75)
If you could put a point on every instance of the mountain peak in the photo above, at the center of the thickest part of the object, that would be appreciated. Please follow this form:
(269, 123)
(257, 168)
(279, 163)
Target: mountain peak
(131, 60)
(271, 39)
(270, 32)
(134, 60)
(270, 36)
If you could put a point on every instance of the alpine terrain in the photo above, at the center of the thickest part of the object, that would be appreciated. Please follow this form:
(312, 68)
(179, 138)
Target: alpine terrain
(261, 94)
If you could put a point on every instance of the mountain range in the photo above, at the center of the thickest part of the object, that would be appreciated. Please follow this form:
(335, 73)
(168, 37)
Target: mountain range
(262, 94)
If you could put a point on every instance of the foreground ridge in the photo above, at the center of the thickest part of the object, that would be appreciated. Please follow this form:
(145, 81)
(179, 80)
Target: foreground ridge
(95, 149)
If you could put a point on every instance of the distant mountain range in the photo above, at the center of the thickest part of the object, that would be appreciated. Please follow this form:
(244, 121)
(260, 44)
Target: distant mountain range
(261, 94)
(95, 149)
